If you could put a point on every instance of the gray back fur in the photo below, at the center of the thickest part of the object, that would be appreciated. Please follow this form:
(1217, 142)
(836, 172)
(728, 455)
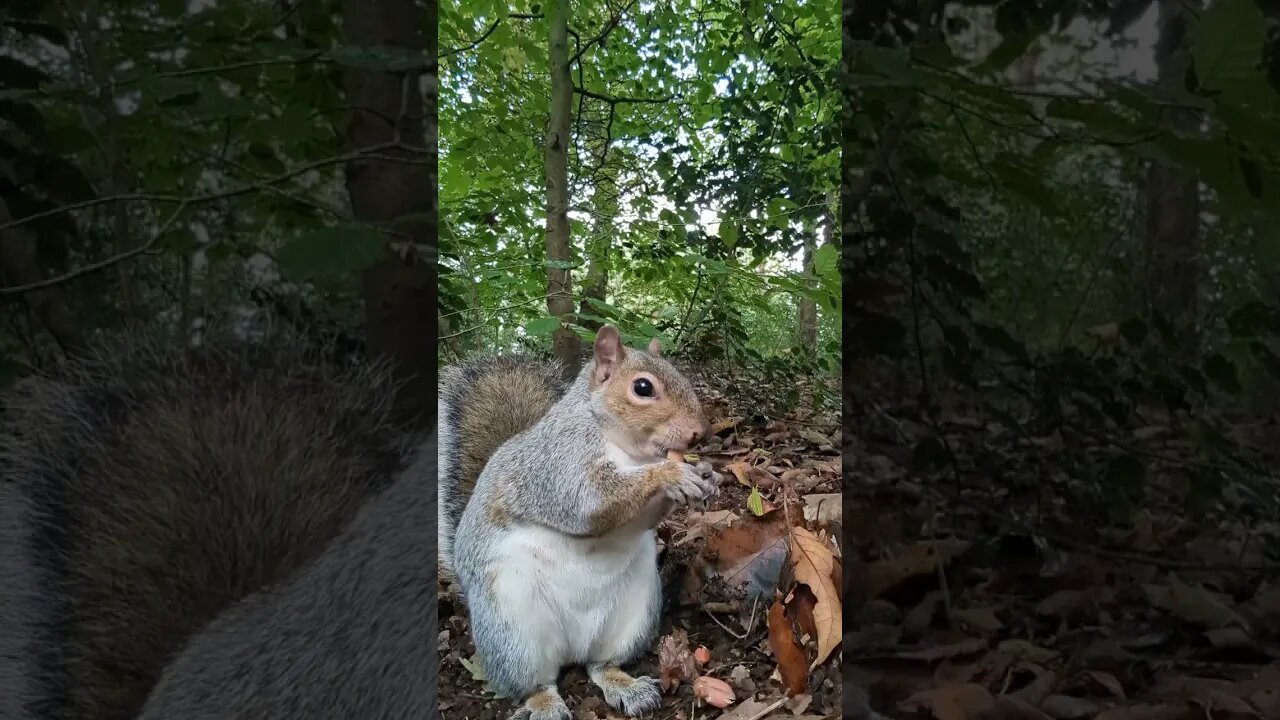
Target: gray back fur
(145, 490)
(353, 636)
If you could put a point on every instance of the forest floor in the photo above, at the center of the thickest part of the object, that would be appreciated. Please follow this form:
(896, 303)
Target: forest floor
(1079, 573)
(753, 584)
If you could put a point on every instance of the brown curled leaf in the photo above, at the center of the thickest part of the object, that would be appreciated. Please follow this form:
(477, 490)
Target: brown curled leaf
(792, 664)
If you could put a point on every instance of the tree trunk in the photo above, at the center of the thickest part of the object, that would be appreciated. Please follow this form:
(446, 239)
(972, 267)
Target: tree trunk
(98, 64)
(596, 285)
(1172, 248)
(18, 266)
(399, 194)
(808, 320)
(560, 281)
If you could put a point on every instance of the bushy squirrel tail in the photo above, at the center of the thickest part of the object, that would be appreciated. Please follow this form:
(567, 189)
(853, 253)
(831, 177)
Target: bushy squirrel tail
(482, 404)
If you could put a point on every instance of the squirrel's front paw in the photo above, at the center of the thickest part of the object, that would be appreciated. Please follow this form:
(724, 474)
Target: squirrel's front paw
(708, 480)
(696, 484)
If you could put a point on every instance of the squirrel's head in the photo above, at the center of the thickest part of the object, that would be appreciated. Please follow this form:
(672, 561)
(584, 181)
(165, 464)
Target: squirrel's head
(648, 407)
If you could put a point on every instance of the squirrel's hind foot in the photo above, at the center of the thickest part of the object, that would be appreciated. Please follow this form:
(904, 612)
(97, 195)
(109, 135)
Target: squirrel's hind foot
(546, 704)
(633, 696)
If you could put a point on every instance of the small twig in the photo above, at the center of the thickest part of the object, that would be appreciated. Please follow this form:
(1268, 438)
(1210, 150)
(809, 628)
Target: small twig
(937, 551)
(776, 704)
(711, 615)
(751, 622)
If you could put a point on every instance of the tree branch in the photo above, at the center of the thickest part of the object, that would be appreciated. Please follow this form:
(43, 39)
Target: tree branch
(612, 100)
(608, 28)
(474, 43)
(368, 153)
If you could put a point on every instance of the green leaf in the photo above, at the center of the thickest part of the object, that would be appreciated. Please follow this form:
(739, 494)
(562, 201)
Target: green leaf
(1133, 330)
(755, 502)
(1227, 42)
(826, 261)
(542, 326)
(1222, 372)
(180, 241)
(1011, 47)
(23, 116)
(169, 89)
(66, 139)
(729, 234)
(332, 252)
(173, 8)
(49, 32)
(17, 74)
(1021, 182)
(1100, 119)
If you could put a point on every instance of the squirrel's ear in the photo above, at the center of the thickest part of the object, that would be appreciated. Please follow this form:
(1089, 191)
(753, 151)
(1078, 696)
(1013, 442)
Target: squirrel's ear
(655, 347)
(608, 352)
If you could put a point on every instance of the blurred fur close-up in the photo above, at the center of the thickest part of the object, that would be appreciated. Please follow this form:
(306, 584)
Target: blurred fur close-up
(217, 459)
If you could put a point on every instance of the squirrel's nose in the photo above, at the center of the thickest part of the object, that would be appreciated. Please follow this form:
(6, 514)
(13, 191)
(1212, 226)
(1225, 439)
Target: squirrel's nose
(696, 434)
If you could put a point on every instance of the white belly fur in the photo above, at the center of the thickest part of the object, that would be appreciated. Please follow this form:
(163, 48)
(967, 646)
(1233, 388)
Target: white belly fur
(583, 598)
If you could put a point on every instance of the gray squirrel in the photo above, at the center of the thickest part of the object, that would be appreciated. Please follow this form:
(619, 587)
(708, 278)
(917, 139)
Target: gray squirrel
(548, 501)
(232, 532)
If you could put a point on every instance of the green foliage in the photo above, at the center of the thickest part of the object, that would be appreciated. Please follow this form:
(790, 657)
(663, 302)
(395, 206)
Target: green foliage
(997, 222)
(223, 130)
(692, 193)
(333, 251)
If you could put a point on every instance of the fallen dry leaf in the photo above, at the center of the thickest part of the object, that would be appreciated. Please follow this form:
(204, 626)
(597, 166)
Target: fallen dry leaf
(1070, 605)
(949, 650)
(816, 438)
(1144, 712)
(799, 703)
(1110, 682)
(1217, 701)
(822, 508)
(1010, 708)
(921, 558)
(723, 424)
(752, 476)
(979, 618)
(1068, 707)
(813, 562)
(591, 708)
(747, 709)
(698, 524)
(675, 661)
(1199, 606)
(965, 701)
(741, 678)
(800, 609)
(1028, 651)
(787, 651)
(748, 554)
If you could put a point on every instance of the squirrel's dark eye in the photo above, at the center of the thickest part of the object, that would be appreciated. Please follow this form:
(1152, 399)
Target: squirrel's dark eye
(642, 387)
